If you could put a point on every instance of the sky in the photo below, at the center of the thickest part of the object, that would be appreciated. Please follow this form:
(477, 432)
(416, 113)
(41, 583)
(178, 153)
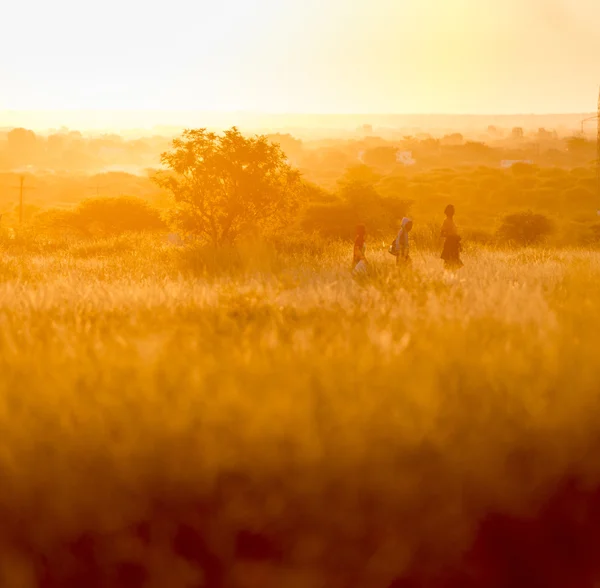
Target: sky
(301, 56)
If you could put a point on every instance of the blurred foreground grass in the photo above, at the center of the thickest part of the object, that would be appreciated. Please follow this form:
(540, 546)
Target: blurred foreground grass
(274, 423)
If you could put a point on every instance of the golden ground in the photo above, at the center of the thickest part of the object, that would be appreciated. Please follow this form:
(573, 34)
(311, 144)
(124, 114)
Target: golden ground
(356, 427)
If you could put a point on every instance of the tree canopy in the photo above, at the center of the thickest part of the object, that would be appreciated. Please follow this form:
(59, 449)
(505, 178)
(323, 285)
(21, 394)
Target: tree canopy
(225, 185)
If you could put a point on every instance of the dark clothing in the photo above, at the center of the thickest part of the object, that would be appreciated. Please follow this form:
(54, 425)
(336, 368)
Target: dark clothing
(451, 251)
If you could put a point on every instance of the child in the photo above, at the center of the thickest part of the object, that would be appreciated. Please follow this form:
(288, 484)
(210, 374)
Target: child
(402, 246)
(359, 261)
(451, 251)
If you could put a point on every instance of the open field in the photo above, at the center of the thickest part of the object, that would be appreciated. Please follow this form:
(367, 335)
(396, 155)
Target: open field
(276, 424)
(213, 374)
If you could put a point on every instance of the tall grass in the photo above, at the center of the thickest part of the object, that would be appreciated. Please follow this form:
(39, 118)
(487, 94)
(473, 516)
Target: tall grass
(277, 424)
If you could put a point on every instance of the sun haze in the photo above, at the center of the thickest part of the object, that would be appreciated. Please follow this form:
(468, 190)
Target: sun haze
(367, 56)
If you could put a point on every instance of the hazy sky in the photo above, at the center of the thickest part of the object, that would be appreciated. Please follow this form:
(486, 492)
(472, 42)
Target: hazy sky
(404, 56)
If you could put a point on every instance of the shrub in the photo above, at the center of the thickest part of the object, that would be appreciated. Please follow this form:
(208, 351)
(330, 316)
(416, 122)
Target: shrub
(525, 228)
(552, 172)
(109, 216)
(383, 156)
(580, 196)
(521, 169)
(588, 235)
(582, 172)
(357, 203)
(595, 233)
(478, 236)
(56, 222)
(117, 215)
(393, 186)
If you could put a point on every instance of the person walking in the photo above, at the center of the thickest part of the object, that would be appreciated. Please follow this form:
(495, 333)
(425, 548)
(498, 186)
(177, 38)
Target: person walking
(452, 247)
(359, 261)
(402, 246)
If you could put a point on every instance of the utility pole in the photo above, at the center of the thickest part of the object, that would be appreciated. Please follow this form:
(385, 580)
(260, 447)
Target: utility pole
(22, 187)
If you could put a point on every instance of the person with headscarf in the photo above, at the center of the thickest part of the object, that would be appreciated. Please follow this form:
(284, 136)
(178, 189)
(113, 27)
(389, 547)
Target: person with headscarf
(452, 247)
(402, 243)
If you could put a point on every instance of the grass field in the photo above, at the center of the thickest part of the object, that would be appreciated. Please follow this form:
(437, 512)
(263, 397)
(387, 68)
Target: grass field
(172, 417)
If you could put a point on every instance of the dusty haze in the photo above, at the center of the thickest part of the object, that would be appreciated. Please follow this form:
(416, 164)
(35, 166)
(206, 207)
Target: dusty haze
(399, 56)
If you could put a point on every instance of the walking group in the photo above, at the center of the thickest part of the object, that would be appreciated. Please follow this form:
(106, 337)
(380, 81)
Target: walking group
(400, 245)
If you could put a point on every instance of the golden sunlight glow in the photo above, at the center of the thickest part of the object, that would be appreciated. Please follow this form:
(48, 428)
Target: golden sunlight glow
(406, 56)
(269, 321)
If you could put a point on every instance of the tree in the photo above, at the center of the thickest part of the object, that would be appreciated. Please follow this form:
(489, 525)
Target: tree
(525, 228)
(579, 145)
(517, 133)
(521, 169)
(453, 139)
(22, 146)
(476, 148)
(291, 146)
(361, 173)
(382, 156)
(225, 185)
(332, 159)
(358, 201)
(21, 140)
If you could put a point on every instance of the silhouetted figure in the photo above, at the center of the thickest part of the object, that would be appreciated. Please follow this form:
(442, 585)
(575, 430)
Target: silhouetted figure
(359, 261)
(452, 247)
(401, 243)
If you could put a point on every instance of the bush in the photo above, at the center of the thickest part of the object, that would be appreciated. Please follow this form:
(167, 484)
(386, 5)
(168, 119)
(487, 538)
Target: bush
(338, 220)
(521, 169)
(581, 197)
(117, 215)
(108, 216)
(478, 236)
(383, 156)
(525, 228)
(588, 235)
(57, 222)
